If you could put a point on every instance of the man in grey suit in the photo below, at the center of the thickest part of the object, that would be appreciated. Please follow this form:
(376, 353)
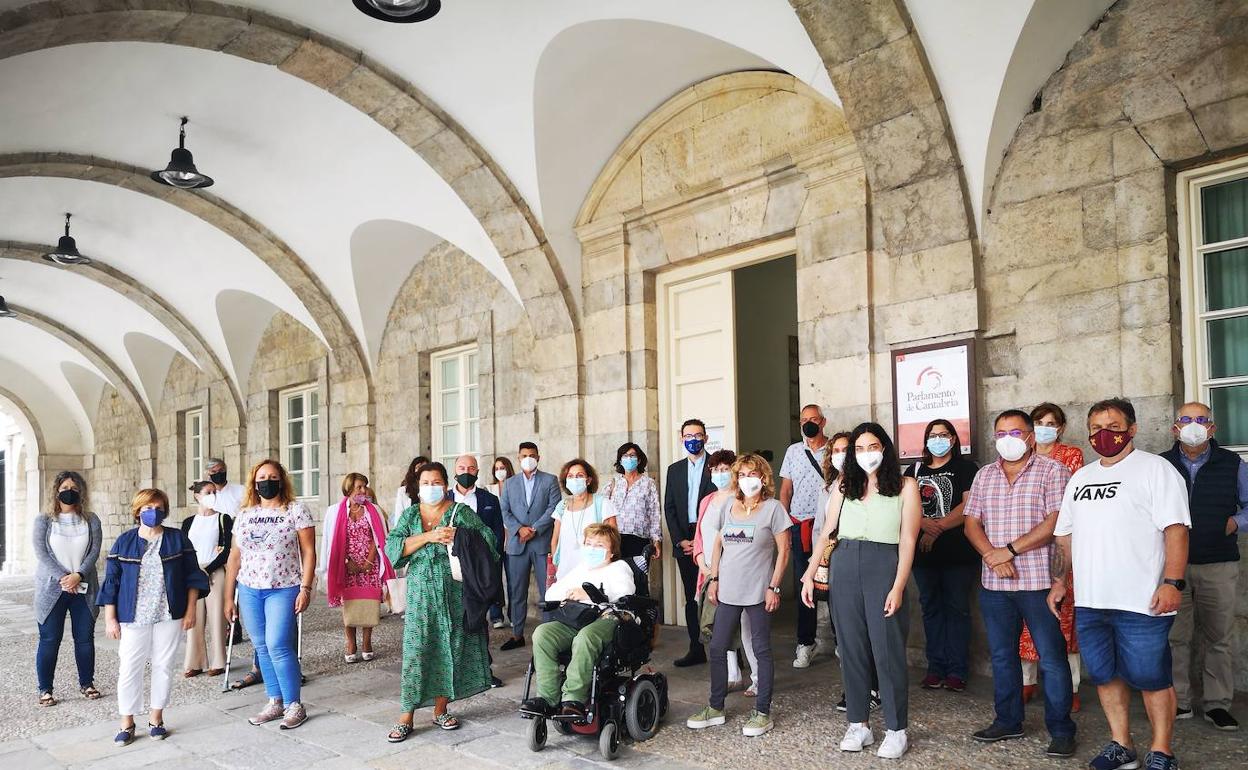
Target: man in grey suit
(528, 502)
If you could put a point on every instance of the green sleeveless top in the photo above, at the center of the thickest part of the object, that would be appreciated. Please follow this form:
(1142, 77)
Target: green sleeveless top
(878, 519)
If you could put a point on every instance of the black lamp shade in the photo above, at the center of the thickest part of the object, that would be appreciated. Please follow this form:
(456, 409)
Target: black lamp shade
(66, 251)
(181, 172)
(4, 310)
(400, 11)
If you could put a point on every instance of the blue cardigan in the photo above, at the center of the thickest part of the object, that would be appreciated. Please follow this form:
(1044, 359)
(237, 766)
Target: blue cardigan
(121, 573)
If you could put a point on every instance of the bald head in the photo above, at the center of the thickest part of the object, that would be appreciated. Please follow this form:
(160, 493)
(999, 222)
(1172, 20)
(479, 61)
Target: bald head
(466, 465)
(1193, 427)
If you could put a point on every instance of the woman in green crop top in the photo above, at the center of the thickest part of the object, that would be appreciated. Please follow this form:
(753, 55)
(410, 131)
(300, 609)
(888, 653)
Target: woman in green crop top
(876, 513)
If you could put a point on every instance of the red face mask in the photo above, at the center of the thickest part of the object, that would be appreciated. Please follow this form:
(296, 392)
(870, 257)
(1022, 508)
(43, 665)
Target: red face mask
(1109, 443)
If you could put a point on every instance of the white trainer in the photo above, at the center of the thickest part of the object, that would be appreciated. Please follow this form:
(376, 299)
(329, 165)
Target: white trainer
(857, 737)
(894, 744)
(805, 654)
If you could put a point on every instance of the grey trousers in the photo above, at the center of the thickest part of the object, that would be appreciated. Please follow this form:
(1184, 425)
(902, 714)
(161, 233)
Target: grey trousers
(862, 575)
(727, 618)
(519, 569)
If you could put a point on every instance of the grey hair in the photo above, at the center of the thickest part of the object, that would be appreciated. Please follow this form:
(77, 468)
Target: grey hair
(214, 461)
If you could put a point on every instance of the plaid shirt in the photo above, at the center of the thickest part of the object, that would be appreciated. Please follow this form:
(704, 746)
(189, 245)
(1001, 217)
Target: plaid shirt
(636, 507)
(1009, 511)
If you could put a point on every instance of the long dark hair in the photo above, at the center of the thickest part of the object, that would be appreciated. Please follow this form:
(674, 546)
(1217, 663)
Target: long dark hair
(830, 473)
(954, 453)
(887, 477)
(410, 478)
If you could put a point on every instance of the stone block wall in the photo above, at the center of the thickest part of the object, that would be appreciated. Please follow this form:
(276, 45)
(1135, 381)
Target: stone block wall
(121, 465)
(1080, 248)
(186, 388)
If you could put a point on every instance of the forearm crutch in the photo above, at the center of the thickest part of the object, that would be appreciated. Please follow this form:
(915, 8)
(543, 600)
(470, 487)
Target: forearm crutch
(229, 647)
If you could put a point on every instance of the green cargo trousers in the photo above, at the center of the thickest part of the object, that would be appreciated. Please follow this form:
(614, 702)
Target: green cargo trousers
(552, 638)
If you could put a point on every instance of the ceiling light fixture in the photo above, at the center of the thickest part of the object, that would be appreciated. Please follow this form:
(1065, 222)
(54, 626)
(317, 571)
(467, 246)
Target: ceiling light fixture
(400, 11)
(181, 171)
(66, 251)
(4, 310)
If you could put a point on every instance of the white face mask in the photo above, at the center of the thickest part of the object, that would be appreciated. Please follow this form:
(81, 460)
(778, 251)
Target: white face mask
(208, 500)
(750, 486)
(869, 461)
(528, 464)
(1193, 434)
(838, 461)
(1011, 448)
(501, 474)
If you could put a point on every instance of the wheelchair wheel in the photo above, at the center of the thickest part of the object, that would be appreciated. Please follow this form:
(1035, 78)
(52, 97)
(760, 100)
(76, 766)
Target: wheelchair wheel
(537, 734)
(609, 741)
(642, 710)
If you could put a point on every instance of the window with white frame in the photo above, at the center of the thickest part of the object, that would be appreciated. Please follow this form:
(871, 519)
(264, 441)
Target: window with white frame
(456, 408)
(194, 434)
(300, 415)
(1215, 273)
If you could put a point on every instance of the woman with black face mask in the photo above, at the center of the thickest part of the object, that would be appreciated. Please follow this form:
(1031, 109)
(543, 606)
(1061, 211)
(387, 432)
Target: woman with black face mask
(67, 545)
(273, 566)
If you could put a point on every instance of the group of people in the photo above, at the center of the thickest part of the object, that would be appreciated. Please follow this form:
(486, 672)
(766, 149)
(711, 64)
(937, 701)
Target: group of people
(847, 519)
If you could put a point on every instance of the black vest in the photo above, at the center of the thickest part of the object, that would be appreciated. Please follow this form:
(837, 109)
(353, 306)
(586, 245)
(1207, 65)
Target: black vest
(1214, 498)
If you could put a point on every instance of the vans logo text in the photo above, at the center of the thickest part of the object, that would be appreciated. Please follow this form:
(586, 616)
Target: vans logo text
(1097, 491)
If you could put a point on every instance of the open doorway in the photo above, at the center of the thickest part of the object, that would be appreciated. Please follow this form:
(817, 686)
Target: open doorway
(728, 356)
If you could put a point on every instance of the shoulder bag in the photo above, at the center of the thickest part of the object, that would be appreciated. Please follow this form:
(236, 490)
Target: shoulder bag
(457, 572)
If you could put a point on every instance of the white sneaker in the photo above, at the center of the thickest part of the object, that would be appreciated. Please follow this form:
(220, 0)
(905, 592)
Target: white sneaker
(857, 737)
(805, 654)
(894, 744)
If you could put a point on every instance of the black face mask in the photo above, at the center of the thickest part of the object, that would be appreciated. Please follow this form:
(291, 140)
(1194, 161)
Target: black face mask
(466, 480)
(217, 478)
(69, 496)
(269, 488)
(810, 429)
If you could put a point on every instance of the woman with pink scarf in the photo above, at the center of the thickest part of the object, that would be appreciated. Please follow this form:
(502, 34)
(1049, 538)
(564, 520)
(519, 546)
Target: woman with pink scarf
(356, 568)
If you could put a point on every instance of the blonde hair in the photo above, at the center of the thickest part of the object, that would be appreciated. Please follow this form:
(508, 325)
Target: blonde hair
(606, 531)
(251, 498)
(754, 462)
(146, 498)
(349, 481)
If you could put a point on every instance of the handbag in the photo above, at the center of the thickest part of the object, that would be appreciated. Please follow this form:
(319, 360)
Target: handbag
(823, 572)
(396, 588)
(457, 572)
(575, 615)
(361, 613)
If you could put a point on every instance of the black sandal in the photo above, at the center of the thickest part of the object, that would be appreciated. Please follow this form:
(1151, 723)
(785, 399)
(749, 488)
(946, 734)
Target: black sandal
(399, 732)
(247, 681)
(89, 692)
(46, 699)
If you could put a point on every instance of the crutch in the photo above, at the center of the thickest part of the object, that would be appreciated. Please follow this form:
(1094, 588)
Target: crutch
(303, 678)
(229, 647)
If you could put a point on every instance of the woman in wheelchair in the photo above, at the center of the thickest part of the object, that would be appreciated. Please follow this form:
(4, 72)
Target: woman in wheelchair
(600, 566)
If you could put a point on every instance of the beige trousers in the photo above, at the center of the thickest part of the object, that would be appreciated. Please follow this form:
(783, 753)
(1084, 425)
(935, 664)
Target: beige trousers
(209, 628)
(1207, 612)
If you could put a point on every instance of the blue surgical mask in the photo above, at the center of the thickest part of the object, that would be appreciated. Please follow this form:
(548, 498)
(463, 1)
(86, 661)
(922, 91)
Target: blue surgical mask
(694, 445)
(629, 463)
(939, 446)
(577, 485)
(151, 516)
(593, 555)
(432, 494)
(721, 479)
(1046, 434)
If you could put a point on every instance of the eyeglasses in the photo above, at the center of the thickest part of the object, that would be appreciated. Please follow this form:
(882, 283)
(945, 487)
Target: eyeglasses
(1201, 420)
(699, 436)
(1016, 433)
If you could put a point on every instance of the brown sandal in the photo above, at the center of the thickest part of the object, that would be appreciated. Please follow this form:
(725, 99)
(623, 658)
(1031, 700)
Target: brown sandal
(215, 671)
(89, 692)
(46, 699)
(191, 673)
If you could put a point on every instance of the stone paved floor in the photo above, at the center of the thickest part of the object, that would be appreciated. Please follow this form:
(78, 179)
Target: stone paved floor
(351, 707)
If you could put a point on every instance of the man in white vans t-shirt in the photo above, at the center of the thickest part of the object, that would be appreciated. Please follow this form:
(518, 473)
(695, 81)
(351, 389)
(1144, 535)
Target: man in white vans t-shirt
(1124, 524)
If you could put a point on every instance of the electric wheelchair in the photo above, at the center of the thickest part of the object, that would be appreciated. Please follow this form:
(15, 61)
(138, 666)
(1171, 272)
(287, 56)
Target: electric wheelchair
(626, 696)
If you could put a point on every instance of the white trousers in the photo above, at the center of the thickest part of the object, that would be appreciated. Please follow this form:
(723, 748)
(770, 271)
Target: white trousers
(138, 645)
(1031, 670)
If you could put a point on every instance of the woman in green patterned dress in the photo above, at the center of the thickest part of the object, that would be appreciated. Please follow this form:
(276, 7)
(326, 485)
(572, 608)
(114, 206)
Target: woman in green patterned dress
(441, 662)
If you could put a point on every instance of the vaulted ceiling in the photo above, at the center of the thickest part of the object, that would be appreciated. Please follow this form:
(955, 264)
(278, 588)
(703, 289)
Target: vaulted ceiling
(324, 202)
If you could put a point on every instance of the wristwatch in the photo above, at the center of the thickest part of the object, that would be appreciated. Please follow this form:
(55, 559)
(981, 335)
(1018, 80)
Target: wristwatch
(1179, 584)
(774, 589)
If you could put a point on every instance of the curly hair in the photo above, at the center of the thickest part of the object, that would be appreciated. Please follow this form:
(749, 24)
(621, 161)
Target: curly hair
(754, 462)
(854, 479)
(83, 504)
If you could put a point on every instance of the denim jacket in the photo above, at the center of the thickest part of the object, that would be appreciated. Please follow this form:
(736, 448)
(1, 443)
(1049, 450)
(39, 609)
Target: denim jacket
(121, 573)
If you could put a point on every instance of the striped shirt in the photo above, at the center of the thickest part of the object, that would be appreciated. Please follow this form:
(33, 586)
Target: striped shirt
(636, 507)
(1009, 511)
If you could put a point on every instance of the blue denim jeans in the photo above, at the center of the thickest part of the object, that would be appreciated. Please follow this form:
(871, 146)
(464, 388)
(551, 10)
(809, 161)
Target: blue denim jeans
(269, 616)
(1004, 613)
(52, 630)
(945, 597)
(807, 617)
(1131, 646)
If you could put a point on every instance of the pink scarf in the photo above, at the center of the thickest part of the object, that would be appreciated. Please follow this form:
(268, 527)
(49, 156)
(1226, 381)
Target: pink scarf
(336, 570)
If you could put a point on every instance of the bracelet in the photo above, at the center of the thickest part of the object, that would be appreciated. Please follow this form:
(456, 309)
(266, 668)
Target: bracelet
(1010, 547)
(305, 588)
(713, 579)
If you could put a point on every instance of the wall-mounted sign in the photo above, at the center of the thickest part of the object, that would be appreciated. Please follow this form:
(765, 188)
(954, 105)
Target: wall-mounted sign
(930, 382)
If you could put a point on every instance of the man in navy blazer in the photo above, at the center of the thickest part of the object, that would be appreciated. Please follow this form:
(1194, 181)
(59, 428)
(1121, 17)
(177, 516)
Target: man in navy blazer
(488, 508)
(688, 481)
(529, 499)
